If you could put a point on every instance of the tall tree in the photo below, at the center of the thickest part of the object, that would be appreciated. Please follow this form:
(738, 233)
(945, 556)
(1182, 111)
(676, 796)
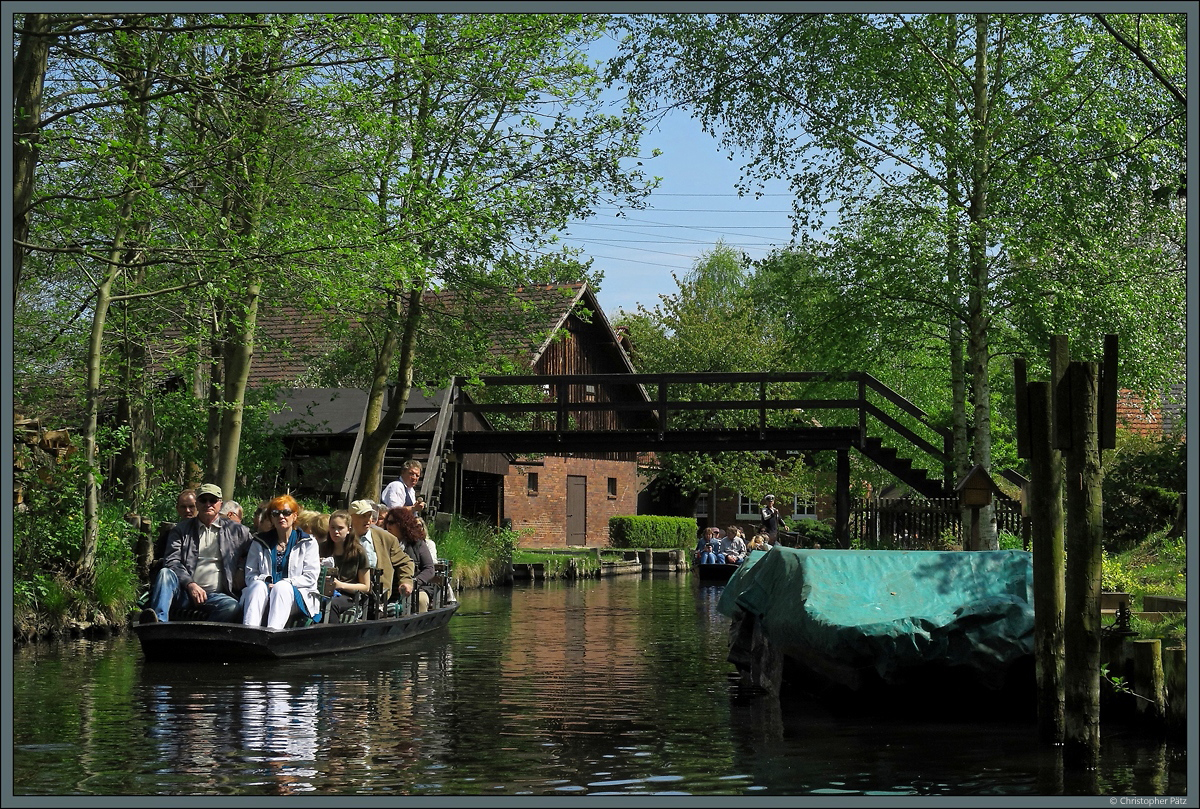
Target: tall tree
(481, 135)
(1019, 124)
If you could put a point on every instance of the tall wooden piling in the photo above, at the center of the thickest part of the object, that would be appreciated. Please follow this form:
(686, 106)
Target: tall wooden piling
(1084, 536)
(1046, 529)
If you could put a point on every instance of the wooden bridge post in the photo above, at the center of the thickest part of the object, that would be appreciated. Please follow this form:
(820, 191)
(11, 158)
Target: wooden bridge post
(1083, 571)
(842, 511)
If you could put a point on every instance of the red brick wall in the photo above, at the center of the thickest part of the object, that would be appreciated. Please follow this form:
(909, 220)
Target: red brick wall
(544, 514)
(1135, 416)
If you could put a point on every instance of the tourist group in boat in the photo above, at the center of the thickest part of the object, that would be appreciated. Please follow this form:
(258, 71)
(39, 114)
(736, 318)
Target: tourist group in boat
(717, 546)
(291, 567)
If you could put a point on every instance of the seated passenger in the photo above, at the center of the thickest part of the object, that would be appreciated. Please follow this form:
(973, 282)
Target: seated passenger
(384, 551)
(200, 564)
(352, 573)
(709, 547)
(404, 525)
(760, 542)
(737, 546)
(450, 599)
(281, 571)
(262, 520)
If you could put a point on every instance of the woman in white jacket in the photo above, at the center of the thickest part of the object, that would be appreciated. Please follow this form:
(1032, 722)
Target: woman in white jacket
(281, 570)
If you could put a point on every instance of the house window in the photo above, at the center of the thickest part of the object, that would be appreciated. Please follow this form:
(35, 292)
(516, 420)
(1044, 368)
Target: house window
(747, 509)
(612, 487)
(804, 507)
(531, 483)
(589, 393)
(702, 505)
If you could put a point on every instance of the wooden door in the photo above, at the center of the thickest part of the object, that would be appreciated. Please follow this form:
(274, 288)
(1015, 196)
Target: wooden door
(576, 510)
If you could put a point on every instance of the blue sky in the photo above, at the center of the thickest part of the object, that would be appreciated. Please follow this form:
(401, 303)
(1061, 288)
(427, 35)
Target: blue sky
(695, 205)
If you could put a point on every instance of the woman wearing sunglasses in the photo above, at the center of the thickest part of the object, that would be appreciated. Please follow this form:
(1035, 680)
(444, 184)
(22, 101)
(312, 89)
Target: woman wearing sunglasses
(281, 570)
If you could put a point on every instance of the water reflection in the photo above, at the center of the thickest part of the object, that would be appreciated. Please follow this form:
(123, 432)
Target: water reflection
(598, 687)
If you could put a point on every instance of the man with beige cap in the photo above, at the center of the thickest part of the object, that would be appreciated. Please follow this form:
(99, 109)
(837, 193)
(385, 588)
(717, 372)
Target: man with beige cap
(204, 556)
(383, 551)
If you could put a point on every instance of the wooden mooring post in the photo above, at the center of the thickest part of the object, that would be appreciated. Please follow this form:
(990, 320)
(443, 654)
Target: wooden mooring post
(1075, 414)
(1084, 537)
(1045, 526)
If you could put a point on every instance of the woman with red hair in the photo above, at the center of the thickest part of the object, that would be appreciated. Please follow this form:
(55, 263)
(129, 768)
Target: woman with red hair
(407, 527)
(281, 570)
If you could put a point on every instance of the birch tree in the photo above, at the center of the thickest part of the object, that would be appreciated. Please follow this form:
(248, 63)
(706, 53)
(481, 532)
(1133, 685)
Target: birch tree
(1019, 134)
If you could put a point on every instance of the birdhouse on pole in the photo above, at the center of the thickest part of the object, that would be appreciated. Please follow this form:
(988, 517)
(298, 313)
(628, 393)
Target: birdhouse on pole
(976, 488)
(975, 491)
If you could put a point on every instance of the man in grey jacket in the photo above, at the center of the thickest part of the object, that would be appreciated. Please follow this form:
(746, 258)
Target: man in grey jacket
(204, 565)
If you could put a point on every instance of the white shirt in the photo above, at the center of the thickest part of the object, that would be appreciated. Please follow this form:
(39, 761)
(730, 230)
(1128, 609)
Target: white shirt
(397, 494)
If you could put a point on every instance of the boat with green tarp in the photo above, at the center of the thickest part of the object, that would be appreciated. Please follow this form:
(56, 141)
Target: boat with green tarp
(910, 624)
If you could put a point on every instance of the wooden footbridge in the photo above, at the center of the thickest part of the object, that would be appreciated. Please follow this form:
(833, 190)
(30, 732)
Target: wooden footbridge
(686, 412)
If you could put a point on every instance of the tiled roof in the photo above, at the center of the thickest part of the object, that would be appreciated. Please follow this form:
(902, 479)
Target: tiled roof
(517, 336)
(289, 339)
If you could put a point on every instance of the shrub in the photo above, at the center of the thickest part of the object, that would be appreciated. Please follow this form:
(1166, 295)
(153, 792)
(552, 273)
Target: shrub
(811, 532)
(1115, 576)
(1010, 542)
(1143, 478)
(652, 532)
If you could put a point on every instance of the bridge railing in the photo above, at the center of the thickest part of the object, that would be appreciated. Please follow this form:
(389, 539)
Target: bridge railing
(667, 402)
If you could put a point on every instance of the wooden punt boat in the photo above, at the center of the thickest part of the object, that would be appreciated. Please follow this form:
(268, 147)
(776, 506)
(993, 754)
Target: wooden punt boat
(211, 641)
(714, 574)
(886, 629)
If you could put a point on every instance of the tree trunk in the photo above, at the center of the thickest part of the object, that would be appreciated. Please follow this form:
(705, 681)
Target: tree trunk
(136, 86)
(29, 79)
(238, 322)
(978, 319)
(1046, 516)
(239, 352)
(1085, 535)
(376, 436)
(961, 445)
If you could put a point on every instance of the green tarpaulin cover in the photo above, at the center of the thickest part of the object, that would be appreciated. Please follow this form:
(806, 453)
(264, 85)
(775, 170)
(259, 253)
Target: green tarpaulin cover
(891, 609)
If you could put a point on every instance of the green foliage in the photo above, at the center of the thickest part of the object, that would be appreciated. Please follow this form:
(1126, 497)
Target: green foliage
(480, 553)
(1116, 576)
(1143, 479)
(1171, 628)
(573, 564)
(1009, 542)
(652, 532)
(1155, 566)
(946, 216)
(812, 532)
(48, 535)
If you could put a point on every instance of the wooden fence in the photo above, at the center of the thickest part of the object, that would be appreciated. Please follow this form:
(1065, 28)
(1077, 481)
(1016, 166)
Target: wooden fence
(922, 524)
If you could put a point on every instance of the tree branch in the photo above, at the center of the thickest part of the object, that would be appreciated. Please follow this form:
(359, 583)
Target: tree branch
(1137, 51)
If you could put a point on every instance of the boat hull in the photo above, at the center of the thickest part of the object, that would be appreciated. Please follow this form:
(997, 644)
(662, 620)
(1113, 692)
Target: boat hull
(715, 573)
(210, 641)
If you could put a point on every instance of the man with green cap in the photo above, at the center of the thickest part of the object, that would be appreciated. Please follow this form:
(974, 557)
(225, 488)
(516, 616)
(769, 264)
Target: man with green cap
(203, 567)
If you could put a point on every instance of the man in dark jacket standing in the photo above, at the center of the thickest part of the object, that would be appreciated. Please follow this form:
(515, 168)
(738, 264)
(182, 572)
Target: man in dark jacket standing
(203, 567)
(769, 524)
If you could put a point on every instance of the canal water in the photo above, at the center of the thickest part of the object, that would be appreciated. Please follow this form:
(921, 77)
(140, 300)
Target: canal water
(602, 687)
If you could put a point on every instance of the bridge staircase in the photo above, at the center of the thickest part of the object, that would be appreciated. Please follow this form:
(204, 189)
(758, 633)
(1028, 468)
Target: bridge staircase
(433, 448)
(917, 479)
